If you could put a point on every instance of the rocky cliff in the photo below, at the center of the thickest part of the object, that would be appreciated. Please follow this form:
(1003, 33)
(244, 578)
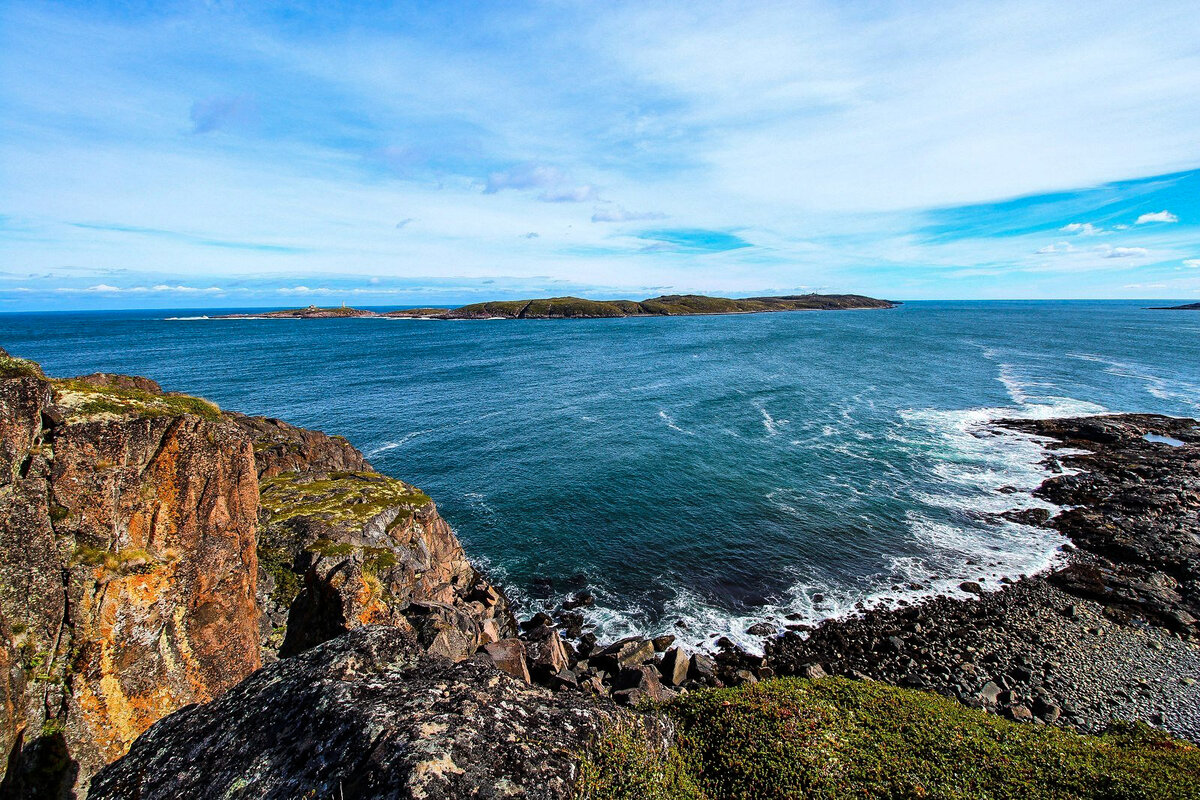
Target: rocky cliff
(155, 551)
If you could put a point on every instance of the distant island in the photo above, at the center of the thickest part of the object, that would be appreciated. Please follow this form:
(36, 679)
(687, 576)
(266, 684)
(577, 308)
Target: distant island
(674, 305)
(1187, 307)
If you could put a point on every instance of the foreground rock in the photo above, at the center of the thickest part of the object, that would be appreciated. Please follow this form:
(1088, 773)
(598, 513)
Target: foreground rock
(370, 715)
(142, 571)
(1110, 635)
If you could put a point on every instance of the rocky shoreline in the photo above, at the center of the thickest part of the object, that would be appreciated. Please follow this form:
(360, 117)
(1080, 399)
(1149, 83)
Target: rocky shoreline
(1111, 634)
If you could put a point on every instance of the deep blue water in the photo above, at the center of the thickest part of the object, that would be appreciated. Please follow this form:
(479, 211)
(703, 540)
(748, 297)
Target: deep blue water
(718, 470)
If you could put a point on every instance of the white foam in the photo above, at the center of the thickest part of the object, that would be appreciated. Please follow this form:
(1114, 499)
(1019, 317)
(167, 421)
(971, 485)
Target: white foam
(670, 420)
(398, 443)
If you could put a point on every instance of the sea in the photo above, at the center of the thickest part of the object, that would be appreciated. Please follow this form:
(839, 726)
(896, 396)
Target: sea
(697, 475)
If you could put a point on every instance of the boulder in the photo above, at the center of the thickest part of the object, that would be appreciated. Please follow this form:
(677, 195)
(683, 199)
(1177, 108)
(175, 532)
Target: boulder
(509, 656)
(674, 666)
(379, 718)
(546, 655)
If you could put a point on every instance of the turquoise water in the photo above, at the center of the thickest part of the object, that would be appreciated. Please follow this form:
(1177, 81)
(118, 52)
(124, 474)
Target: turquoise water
(716, 470)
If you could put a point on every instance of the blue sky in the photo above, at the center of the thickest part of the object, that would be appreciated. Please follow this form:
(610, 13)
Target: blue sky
(237, 154)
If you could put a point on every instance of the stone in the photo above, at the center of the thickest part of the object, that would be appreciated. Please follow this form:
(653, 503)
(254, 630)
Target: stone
(661, 643)
(762, 629)
(703, 669)
(990, 693)
(971, 587)
(1019, 714)
(509, 656)
(812, 672)
(546, 655)
(675, 666)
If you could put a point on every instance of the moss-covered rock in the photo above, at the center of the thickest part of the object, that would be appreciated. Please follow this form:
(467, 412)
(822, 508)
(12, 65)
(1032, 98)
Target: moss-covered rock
(836, 738)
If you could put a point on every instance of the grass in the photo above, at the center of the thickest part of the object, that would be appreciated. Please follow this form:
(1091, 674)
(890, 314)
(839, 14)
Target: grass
(835, 738)
(84, 400)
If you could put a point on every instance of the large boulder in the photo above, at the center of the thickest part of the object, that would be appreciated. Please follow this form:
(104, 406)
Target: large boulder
(371, 715)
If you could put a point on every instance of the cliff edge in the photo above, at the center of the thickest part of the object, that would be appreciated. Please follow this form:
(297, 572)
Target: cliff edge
(155, 551)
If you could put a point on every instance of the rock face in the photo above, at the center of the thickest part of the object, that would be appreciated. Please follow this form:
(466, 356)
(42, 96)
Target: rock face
(370, 715)
(127, 569)
(141, 569)
(342, 546)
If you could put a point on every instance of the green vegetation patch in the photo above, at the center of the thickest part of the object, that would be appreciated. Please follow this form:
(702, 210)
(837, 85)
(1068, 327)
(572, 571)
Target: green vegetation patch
(835, 738)
(355, 497)
(84, 400)
(13, 367)
(132, 559)
(277, 562)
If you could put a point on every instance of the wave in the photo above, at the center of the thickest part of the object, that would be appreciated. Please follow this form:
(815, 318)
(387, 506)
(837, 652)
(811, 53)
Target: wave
(670, 420)
(1171, 390)
(184, 319)
(383, 448)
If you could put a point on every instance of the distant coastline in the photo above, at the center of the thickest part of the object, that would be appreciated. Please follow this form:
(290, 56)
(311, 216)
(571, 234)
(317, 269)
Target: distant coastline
(579, 308)
(1185, 307)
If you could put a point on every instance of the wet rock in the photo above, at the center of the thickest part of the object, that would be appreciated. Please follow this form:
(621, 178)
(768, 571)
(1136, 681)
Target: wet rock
(661, 643)
(761, 629)
(579, 600)
(971, 587)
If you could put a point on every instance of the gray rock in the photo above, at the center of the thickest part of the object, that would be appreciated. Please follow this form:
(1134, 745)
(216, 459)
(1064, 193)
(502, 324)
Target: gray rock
(369, 715)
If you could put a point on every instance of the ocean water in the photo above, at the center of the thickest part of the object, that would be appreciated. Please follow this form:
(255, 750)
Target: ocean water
(698, 474)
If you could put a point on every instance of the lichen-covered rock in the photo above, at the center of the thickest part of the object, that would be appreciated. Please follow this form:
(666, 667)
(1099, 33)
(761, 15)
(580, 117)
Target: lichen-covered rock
(280, 447)
(370, 715)
(344, 549)
(127, 568)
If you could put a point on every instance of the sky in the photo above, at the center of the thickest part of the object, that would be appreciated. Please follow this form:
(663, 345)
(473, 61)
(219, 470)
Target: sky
(240, 154)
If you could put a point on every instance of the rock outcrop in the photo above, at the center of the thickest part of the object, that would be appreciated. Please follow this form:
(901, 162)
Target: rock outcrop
(142, 570)
(127, 574)
(372, 715)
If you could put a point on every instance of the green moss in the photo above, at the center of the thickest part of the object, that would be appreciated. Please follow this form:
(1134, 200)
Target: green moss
(836, 738)
(623, 766)
(129, 560)
(330, 549)
(58, 513)
(53, 726)
(378, 559)
(13, 367)
(83, 400)
(355, 497)
(277, 563)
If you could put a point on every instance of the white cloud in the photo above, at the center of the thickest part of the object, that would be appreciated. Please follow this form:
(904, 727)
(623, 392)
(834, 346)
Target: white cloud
(525, 176)
(1144, 286)
(1108, 251)
(1192, 262)
(1082, 229)
(1061, 247)
(1158, 216)
(620, 214)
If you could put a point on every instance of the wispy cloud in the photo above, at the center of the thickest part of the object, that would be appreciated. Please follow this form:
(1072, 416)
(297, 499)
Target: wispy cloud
(404, 222)
(619, 214)
(1082, 229)
(1122, 252)
(214, 113)
(1192, 262)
